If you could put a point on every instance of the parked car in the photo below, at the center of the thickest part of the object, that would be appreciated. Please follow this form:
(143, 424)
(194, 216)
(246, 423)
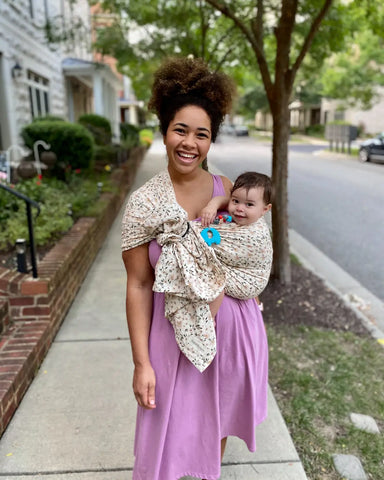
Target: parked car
(241, 131)
(227, 129)
(372, 149)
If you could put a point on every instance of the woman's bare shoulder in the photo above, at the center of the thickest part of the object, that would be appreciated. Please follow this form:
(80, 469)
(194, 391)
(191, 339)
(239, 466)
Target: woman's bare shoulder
(227, 184)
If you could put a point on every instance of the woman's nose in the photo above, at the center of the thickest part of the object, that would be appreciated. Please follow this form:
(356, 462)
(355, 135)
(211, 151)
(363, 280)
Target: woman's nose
(188, 140)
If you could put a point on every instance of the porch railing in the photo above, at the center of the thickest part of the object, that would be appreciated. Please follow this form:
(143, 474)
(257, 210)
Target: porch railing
(29, 203)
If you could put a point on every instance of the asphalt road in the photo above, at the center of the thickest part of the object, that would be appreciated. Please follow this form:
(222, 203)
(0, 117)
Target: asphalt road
(336, 203)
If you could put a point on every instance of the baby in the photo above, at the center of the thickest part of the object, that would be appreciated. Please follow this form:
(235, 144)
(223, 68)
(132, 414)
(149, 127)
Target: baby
(250, 200)
(245, 246)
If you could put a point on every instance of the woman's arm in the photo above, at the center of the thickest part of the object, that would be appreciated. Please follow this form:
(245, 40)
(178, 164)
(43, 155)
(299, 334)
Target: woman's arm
(139, 312)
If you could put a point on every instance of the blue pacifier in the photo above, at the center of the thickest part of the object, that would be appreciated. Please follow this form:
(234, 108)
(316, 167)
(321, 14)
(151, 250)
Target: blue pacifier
(211, 235)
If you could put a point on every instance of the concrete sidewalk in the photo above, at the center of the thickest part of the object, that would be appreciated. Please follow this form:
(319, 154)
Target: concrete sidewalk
(77, 419)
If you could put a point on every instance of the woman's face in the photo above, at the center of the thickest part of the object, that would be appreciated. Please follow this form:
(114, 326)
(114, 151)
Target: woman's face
(188, 139)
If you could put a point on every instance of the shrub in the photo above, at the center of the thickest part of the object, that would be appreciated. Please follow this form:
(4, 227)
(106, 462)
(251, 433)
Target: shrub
(317, 130)
(72, 143)
(99, 126)
(129, 135)
(48, 118)
(106, 154)
(56, 199)
(146, 137)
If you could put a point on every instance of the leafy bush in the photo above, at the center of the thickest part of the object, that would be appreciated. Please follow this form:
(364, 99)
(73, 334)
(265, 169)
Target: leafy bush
(56, 199)
(49, 118)
(99, 126)
(106, 154)
(72, 143)
(129, 135)
(146, 137)
(315, 130)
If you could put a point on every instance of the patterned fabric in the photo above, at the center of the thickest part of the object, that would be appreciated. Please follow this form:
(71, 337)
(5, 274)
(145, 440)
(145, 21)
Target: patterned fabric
(245, 253)
(188, 271)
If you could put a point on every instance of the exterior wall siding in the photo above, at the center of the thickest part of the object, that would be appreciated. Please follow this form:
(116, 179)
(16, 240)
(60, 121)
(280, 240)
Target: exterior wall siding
(22, 40)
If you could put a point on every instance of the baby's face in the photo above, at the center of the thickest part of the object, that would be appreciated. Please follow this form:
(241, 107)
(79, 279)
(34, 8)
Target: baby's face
(247, 207)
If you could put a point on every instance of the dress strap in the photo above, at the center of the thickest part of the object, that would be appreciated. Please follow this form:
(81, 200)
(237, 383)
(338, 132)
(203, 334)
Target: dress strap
(218, 187)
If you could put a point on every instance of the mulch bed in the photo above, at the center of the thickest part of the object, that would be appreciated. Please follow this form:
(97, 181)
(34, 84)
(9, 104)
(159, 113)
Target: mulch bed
(308, 301)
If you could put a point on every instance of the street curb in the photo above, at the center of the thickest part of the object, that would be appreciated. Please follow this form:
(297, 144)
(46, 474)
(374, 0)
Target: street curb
(367, 307)
(347, 288)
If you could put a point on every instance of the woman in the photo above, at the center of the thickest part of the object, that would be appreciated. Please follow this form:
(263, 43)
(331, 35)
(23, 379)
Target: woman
(185, 415)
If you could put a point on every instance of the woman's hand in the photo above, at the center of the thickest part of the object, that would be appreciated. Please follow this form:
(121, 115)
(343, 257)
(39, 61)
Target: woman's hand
(215, 305)
(144, 382)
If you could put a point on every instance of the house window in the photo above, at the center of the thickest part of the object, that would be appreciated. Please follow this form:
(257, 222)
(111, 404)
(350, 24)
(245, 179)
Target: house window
(46, 10)
(38, 94)
(31, 8)
(340, 115)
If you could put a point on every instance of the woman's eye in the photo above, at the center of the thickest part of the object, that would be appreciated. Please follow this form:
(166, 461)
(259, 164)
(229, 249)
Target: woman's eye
(202, 135)
(179, 130)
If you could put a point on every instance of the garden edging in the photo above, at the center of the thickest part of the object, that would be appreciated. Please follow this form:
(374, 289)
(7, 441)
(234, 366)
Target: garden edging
(32, 310)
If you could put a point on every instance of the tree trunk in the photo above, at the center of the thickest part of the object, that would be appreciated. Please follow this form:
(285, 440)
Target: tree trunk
(281, 130)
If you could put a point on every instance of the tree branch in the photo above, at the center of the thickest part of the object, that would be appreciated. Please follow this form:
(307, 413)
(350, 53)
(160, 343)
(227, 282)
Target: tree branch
(257, 47)
(283, 33)
(204, 29)
(224, 58)
(311, 34)
(218, 41)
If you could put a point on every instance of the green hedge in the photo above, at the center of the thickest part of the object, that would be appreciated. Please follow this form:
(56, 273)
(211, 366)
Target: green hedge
(48, 118)
(129, 135)
(99, 126)
(72, 143)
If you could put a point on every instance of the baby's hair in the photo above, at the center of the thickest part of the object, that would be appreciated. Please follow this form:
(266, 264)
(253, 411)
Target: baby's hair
(249, 180)
(180, 82)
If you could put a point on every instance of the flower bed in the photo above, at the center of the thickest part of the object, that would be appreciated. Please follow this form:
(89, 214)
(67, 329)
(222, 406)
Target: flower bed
(32, 310)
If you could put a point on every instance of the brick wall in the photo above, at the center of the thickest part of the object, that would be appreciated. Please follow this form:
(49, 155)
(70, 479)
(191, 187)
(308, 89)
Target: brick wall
(32, 310)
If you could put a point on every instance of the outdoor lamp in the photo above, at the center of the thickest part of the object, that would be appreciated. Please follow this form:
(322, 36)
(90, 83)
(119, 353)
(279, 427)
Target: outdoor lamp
(70, 211)
(99, 187)
(21, 250)
(17, 70)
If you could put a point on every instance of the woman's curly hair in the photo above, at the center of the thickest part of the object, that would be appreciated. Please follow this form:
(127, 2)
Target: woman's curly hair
(187, 81)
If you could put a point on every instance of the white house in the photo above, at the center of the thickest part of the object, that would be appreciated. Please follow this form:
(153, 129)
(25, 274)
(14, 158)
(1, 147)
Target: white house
(371, 121)
(39, 77)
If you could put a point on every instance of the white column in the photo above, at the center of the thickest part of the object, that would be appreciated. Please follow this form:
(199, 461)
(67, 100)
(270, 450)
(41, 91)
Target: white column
(98, 93)
(8, 118)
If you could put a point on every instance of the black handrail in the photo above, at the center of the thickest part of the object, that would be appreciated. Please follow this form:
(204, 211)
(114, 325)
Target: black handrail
(28, 203)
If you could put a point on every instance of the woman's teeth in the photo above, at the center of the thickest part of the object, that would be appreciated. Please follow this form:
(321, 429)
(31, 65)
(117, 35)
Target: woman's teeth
(185, 155)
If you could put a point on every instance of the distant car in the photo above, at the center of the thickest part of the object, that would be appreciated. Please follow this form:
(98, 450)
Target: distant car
(227, 129)
(241, 131)
(372, 149)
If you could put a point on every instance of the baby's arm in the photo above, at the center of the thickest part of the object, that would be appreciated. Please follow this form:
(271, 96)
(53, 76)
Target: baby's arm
(208, 213)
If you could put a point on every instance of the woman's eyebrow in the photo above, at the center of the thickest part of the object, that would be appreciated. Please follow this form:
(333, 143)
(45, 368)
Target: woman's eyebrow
(186, 126)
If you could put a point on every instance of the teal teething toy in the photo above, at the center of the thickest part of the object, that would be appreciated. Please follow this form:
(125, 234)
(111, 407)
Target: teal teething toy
(211, 235)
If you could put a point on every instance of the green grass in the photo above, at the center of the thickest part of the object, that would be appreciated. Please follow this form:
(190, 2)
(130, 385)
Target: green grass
(354, 151)
(318, 378)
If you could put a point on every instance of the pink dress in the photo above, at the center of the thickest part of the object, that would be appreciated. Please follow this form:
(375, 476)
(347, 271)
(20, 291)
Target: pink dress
(181, 437)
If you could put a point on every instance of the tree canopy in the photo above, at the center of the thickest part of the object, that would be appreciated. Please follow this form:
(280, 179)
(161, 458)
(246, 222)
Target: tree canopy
(143, 33)
(284, 43)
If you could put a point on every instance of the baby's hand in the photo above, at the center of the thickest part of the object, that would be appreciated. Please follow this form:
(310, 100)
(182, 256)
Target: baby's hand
(208, 215)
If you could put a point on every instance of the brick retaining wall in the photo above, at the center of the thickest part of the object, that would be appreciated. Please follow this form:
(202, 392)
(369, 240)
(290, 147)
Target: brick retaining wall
(32, 310)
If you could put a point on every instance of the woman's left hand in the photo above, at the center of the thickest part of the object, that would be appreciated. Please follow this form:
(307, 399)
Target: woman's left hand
(215, 305)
